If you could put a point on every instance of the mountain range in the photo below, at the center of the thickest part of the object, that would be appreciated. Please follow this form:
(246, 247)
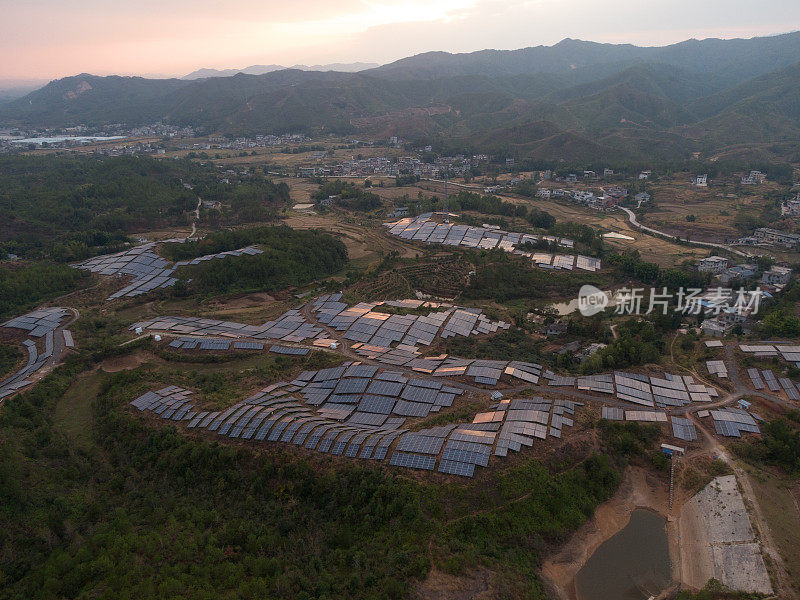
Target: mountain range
(575, 100)
(262, 69)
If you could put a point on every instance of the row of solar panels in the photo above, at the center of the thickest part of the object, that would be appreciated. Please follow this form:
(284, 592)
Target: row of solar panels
(289, 327)
(150, 271)
(39, 322)
(774, 384)
(483, 372)
(360, 324)
(282, 420)
(35, 361)
(424, 229)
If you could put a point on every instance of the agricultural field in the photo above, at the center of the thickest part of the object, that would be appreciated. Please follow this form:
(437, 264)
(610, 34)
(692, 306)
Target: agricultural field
(723, 210)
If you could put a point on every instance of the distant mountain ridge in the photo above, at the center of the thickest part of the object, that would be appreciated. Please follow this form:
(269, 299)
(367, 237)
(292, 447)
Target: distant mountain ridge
(735, 59)
(576, 100)
(263, 69)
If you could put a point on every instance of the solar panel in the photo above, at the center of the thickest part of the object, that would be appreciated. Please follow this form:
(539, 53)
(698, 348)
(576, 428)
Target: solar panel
(612, 413)
(365, 418)
(423, 444)
(385, 388)
(376, 404)
(291, 351)
(411, 409)
(683, 429)
(456, 468)
(248, 346)
(413, 461)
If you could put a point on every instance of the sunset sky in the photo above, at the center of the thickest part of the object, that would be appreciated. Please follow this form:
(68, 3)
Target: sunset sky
(54, 38)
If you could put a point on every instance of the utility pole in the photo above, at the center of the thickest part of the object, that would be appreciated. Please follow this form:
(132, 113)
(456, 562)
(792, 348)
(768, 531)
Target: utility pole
(446, 214)
(671, 480)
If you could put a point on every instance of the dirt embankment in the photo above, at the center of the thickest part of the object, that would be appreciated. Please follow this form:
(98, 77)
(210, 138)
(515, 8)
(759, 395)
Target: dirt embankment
(638, 490)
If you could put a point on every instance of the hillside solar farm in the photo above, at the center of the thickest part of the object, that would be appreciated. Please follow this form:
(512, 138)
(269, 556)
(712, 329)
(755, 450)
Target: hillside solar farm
(501, 324)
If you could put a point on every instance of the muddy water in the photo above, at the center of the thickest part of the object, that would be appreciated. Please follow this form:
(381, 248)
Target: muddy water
(631, 565)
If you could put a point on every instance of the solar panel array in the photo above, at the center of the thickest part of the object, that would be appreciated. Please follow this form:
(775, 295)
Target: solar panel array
(362, 323)
(340, 391)
(597, 383)
(755, 377)
(732, 422)
(149, 271)
(669, 391)
(289, 327)
(789, 352)
(525, 420)
(771, 381)
(486, 372)
(39, 322)
(650, 416)
(718, 368)
(187, 343)
(424, 229)
(290, 350)
(683, 429)
(42, 323)
(789, 387)
(352, 410)
(612, 413)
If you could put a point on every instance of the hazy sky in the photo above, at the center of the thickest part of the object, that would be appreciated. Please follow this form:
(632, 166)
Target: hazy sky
(55, 38)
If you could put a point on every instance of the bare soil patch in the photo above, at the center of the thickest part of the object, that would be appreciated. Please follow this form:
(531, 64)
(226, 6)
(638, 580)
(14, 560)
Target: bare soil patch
(123, 363)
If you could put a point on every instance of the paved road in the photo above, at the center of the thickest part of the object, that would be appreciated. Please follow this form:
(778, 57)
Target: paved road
(58, 341)
(635, 223)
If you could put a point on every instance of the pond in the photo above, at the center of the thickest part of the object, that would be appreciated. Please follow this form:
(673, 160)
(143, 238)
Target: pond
(631, 565)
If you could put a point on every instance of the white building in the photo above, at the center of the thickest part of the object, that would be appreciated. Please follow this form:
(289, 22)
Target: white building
(754, 178)
(766, 235)
(715, 328)
(777, 276)
(712, 264)
(791, 207)
(700, 181)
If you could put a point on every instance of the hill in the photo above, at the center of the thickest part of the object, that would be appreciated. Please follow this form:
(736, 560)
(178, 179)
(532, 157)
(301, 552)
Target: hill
(618, 100)
(730, 60)
(262, 69)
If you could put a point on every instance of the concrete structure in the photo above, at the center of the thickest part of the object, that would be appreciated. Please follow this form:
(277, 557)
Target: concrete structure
(791, 208)
(777, 276)
(743, 271)
(712, 264)
(754, 178)
(716, 328)
(700, 181)
(765, 235)
(719, 542)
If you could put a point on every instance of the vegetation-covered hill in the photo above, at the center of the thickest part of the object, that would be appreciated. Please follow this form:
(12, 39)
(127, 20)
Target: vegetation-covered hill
(104, 505)
(290, 257)
(728, 60)
(625, 100)
(70, 207)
